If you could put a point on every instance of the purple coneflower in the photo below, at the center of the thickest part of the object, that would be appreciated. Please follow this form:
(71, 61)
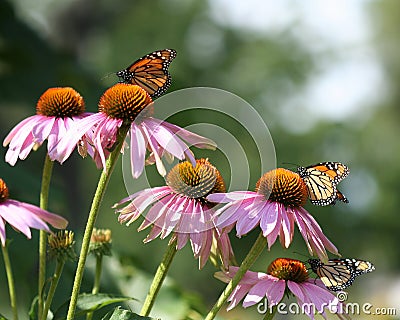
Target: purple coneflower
(23, 216)
(127, 104)
(275, 206)
(181, 208)
(283, 275)
(56, 111)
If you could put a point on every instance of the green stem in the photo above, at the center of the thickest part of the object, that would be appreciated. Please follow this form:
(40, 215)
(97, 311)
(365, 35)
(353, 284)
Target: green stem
(251, 257)
(96, 284)
(97, 276)
(53, 286)
(158, 279)
(44, 199)
(269, 314)
(10, 278)
(94, 210)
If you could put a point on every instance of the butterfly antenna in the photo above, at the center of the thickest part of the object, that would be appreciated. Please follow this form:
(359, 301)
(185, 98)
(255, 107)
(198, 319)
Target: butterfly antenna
(107, 75)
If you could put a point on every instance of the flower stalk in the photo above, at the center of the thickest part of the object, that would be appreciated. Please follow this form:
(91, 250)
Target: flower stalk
(97, 199)
(158, 279)
(248, 261)
(10, 279)
(53, 286)
(44, 199)
(96, 283)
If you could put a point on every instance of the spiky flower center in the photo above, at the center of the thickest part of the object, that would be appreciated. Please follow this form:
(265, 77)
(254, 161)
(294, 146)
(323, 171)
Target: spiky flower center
(125, 101)
(100, 242)
(283, 186)
(195, 182)
(61, 245)
(101, 236)
(288, 269)
(3, 191)
(60, 102)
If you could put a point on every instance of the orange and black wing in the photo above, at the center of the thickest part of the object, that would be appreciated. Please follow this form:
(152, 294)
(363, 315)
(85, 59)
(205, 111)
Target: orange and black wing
(320, 187)
(150, 72)
(335, 170)
(338, 274)
(321, 180)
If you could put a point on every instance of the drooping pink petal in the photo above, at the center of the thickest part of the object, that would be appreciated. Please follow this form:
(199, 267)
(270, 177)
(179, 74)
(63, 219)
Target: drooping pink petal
(229, 214)
(24, 126)
(43, 127)
(181, 240)
(256, 294)
(275, 290)
(194, 139)
(2, 232)
(19, 138)
(154, 148)
(154, 214)
(286, 228)
(249, 221)
(165, 138)
(138, 151)
(67, 144)
(233, 196)
(54, 220)
(14, 216)
(225, 247)
(206, 249)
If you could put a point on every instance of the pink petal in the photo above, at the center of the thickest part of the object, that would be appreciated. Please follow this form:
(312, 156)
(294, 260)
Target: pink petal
(275, 291)
(43, 128)
(165, 138)
(154, 148)
(256, 294)
(24, 126)
(181, 240)
(245, 223)
(20, 138)
(194, 139)
(154, 233)
(286, 229)
(138, 151)
(14, 216)
(2, 232)
(231, 213)
(206, 248)
(67, 144)
(55, 220)
(233, 196)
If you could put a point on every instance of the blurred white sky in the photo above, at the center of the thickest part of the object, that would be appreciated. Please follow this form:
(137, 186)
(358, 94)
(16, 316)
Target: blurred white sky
(348, 85)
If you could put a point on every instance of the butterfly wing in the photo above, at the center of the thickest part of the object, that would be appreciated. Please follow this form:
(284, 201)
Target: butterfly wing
(335, 170)
(338, 274)
(321, 180)
(341, 197)
(320, 187)
(150, 72)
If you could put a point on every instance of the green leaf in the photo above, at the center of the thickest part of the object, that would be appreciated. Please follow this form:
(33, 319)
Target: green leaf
(121, 314)
(88, 302)
(92, 302)
(2, 317)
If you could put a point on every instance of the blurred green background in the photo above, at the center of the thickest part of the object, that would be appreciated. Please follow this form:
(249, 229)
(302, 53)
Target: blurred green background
(324, 77)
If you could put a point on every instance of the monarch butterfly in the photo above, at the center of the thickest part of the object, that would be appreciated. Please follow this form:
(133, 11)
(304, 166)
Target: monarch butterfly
(321, 180)
(338, 274)
(150, 72)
